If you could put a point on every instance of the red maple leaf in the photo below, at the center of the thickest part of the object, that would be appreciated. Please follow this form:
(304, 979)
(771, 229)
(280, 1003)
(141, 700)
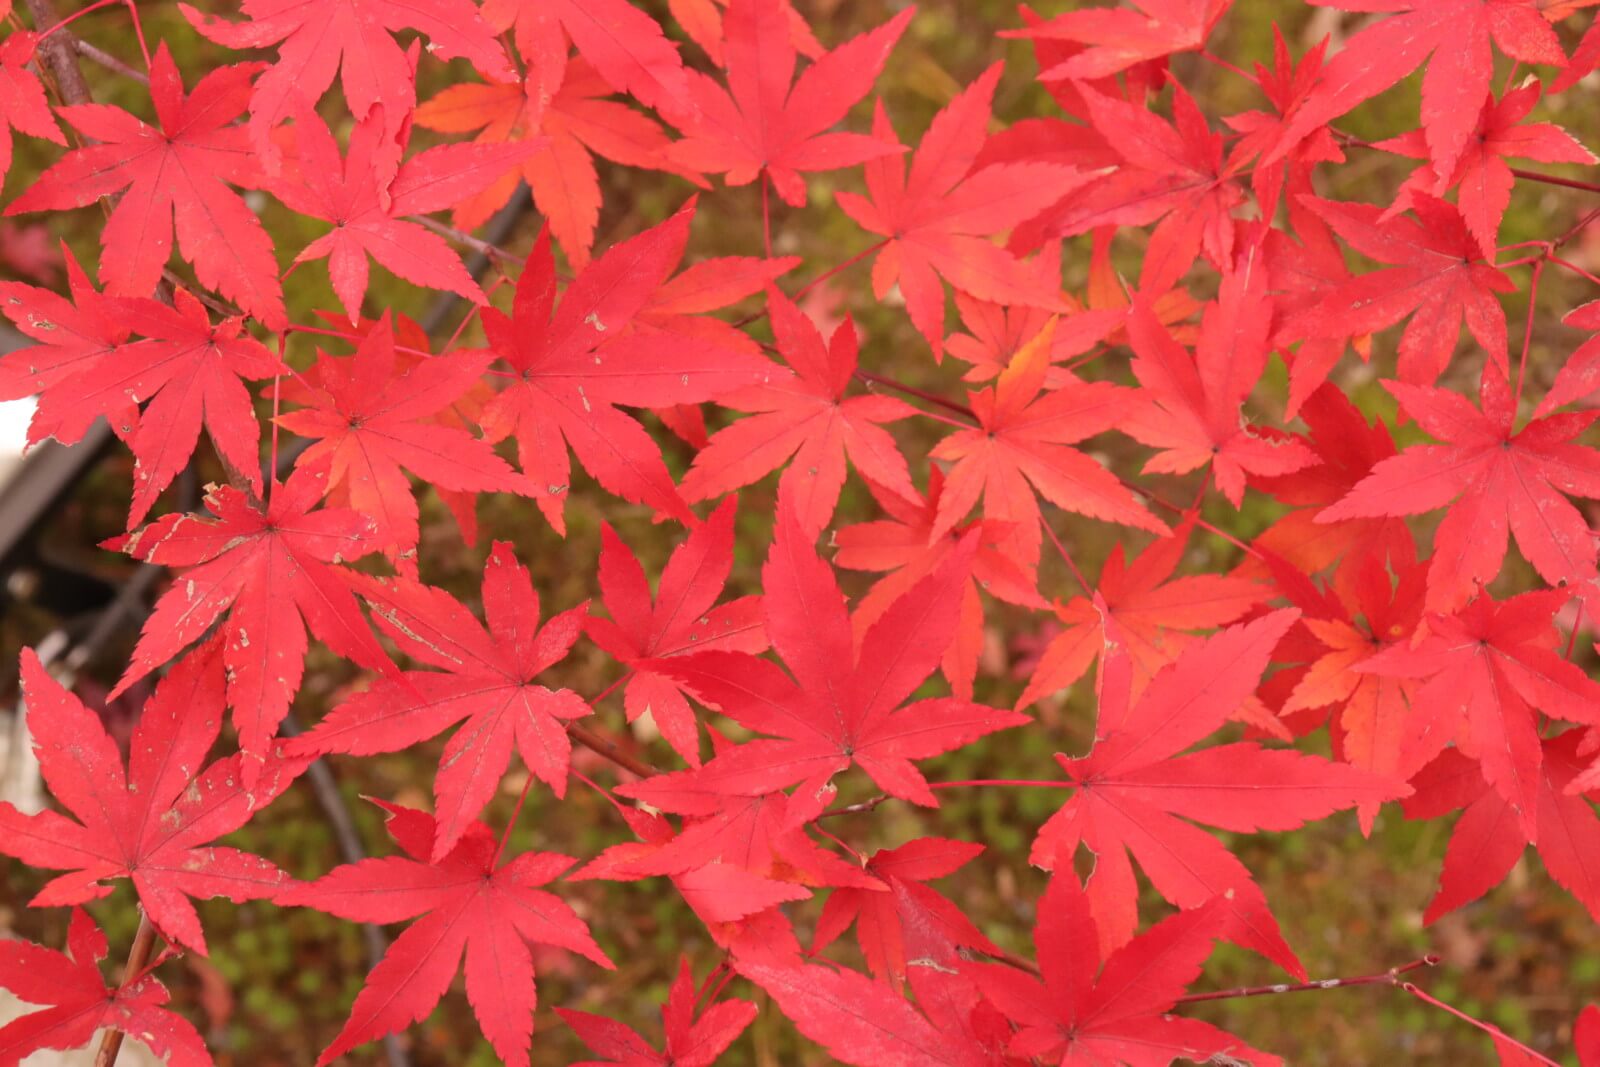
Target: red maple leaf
(1486, 673)
(1488, 839)
(75, 337)
(153, 823)
(691, 1041)
(1494, 479)
(1148, 609)
(1193, 414)
(488, 684)
(367, 423)
(760, 125)
(1481, 172)
(842, 705)
(316, 41)
(1134, 791)
(577, 363)
(996, 333)
(570, 128)
(466, 904)
(1119, 37)
(885, 915)
(736, 865)
(866, 1023)
(937, 222)
(1091, 1006)
(617, 41)
(1457, 33)
(679, 307)
(1579, 376)
(1175, 173)
(904, 546)
(23, 105)
(1363, 612)
(682, 618)
(175, 173)
(1348, 448)
(266, 568)
(189, 371)
(805, 424)
(702, 21)
(412, 347)
(365, 197)
(79, 1003)
(1438, 277)
(1286, 85)
(1021, 446)
(1301, 272)
(1585, 59)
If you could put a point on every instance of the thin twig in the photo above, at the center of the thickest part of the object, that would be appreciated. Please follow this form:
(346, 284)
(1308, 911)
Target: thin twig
(607, 747)
(1389, 977)
(461, 237)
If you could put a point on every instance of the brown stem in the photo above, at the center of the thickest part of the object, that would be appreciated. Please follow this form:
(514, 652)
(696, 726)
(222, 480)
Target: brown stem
(602, 745)
(104, 58)
(461, 237)
(144, 943)
(1389, 977)
(58, 55)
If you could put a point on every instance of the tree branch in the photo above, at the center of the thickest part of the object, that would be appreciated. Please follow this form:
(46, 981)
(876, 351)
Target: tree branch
(139, 953)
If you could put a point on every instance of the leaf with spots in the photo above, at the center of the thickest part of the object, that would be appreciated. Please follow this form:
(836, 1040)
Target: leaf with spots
(152, 821)
(682, 618)
(77, 1003)
(266, 568)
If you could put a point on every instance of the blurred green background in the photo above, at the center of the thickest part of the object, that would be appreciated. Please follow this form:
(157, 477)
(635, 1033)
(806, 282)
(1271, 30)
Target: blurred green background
(278, 983)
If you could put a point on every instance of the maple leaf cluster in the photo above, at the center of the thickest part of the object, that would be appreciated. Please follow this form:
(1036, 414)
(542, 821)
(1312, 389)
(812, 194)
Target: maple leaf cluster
(1355, 632)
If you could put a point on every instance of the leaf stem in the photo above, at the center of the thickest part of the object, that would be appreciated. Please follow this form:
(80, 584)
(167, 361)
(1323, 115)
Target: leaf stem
(516, 812)
(76, 15)
(1493, 1031)
(138, 31)
(1061, 549)
(766, 212)
(1551, 179)
(144, 943)
(1016, 783)
(1573, 267)
(1527, 331)
(862, 806)
(911, 390)
(831, 271)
